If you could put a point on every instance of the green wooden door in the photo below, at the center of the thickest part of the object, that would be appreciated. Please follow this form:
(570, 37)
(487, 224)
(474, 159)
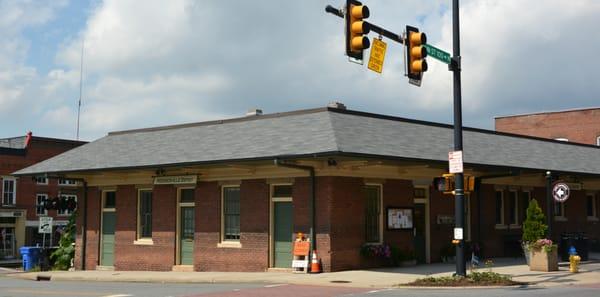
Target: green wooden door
(186, 246)
(283, 231)
(107, 254)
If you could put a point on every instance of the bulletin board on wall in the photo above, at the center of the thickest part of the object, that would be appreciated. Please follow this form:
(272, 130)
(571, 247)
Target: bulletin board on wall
(400, 218)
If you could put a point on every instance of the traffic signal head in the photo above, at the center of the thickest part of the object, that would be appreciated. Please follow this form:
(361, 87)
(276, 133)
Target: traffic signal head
(415, 53)
(444, 184)
(356, 29)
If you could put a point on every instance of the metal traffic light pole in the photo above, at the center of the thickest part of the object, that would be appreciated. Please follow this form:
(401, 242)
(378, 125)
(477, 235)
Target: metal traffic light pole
(459, 205)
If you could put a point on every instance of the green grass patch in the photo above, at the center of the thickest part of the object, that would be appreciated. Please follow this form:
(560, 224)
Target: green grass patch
(473, 279)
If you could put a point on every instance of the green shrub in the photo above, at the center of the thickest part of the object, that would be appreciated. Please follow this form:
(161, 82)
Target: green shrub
(66, 249)
(534, 227)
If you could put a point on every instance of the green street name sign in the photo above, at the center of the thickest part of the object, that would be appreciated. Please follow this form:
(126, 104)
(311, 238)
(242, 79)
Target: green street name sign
(437, 53)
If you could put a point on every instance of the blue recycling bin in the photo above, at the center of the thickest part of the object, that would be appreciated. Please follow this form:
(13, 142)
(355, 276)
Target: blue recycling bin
(31, 257)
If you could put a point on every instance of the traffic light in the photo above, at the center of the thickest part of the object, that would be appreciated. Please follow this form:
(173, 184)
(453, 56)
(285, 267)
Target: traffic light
(356, 29)
(444, 184)
(447, 185)
(415, 53)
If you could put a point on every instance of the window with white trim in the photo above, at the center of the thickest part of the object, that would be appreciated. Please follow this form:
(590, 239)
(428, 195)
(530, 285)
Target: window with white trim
(66, 212)
(373, 223)
(41, 180)
(66, 182)
(499, 207)
(231, 213)
(9, 191)
(591, 205)
(144, 214)
(598, 140)
(40, 210)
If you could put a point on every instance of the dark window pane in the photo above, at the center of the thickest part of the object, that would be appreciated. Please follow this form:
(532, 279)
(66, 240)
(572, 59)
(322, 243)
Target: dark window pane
(187, 195)
(109, 199)
(524, 202)
(499, 209)
(512, 206)
(231, 213)
(590, 206)
(372, 212)
(282, 191)
(145, 214)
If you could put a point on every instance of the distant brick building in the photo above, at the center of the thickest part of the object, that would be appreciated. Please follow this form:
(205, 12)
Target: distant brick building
(20, 206)
(577, 125)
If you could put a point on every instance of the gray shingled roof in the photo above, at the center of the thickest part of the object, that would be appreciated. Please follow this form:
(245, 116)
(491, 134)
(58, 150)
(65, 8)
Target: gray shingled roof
(315, 132)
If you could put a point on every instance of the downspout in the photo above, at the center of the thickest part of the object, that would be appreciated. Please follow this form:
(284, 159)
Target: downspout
(312, 200)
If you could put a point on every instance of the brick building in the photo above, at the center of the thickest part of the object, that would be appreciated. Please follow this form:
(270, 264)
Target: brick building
(576, 125)
(227, 195)
(20, 207)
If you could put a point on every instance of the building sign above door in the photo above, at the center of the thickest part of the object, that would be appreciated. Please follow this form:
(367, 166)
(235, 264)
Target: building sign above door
(175, 180)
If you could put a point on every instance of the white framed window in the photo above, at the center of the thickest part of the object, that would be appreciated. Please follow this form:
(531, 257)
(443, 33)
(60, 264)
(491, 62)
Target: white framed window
(144, 215)
(66, 212)
(591, 207)
(230, 213)
(373, 213)
(598, 140)
(66, 182)
(40, 210)
(9, 191)
(41, 180)
(560, 211)
(499, 209)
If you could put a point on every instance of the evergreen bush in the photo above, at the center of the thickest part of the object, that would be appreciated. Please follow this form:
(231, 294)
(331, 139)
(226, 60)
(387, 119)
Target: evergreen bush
(534, 227)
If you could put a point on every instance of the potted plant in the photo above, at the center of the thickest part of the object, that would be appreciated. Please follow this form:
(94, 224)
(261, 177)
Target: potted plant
(544, 256)
(533, 228)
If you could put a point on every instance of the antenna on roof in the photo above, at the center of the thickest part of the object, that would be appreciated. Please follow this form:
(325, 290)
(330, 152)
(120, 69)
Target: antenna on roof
(80, 88)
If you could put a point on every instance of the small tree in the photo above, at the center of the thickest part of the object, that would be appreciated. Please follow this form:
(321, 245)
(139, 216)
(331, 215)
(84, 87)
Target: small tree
(66, 250)
(534, 227)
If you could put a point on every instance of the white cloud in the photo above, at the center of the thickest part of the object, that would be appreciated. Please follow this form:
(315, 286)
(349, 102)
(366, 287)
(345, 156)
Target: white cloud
(169, 62)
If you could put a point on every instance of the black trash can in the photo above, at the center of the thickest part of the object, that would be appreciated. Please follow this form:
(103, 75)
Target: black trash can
(574, 239)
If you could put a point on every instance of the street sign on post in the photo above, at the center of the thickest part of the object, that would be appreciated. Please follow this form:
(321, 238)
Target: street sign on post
(437, 53)
(455, 161)
(45, 226)
(377, 55)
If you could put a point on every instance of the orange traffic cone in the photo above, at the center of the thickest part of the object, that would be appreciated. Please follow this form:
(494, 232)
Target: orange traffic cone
(315, 266)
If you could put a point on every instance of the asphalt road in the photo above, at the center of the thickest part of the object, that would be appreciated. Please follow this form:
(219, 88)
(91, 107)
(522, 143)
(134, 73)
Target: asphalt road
(20, 288)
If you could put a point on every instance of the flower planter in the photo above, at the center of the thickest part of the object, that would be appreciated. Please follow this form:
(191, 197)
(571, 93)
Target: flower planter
(526, 252)
(543, 261)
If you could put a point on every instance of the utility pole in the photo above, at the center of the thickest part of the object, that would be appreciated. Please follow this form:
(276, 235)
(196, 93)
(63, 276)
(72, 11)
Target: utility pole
(459, 205)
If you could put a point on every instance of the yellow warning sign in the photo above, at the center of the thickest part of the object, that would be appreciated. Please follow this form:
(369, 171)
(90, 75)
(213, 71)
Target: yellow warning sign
(377, 55)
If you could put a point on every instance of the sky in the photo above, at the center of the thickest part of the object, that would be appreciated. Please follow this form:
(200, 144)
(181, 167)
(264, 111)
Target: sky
(153, 62)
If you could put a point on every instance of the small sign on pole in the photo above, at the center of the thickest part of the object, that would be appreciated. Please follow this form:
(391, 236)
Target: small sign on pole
(455, 162)
(377, 55)
(458, 233)
(45, 226)
(561, 192)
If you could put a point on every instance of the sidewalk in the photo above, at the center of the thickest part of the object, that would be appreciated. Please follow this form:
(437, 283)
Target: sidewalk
(376, 278)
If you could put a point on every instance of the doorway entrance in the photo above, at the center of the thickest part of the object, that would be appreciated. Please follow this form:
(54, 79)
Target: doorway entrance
(282, 226)
(7, 243)
(186, 226)
(109, 220)
(421, 224)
